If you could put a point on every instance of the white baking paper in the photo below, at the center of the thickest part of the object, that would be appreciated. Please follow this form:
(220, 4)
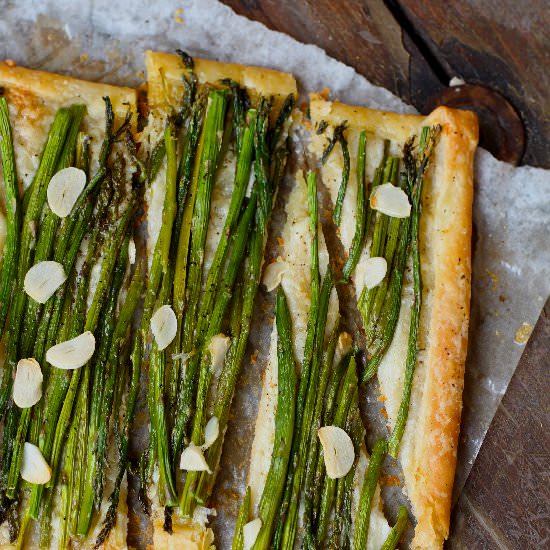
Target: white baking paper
(104, 40)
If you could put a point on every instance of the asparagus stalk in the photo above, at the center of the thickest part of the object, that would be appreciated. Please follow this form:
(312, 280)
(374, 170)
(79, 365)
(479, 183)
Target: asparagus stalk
(338, 137)
(93, 466)
(341, 529)
(329, 406)
(345, 398)
(20, 345)
(36, 197)
(283, 118)
(305, 375)
(194, 146)
(362, 521)
(392, 304)
(60, 399)
(377, 249)
(378, 294)
(242, 520)
(284, 424)
(313, 453)
(7, 505)
(201, 190)
(242, 310)
(242, 176)
(48, 231)
(222, 300)
(416, 169)
(160, 271)
(291, 521)
(113, 371)
(7, 277)
(244, 305)
(69, 475)
(396, 533)
(180, 237)
(134, 293)
(358, 238)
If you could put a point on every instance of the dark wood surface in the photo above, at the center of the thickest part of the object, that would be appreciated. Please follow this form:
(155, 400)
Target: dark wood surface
(501, 48)
(506, 501)
(414, 48)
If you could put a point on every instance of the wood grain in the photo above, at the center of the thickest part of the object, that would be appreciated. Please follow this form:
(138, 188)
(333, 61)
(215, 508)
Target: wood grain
(505, 503)
(501, 44)
(364, 35)
(414, 47)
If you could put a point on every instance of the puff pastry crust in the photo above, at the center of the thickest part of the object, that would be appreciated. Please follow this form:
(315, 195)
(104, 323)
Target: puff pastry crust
(165, 71)
(33, 98)
(429, 458)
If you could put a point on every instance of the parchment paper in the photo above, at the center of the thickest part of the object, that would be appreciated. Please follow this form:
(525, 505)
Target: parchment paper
(104, 40)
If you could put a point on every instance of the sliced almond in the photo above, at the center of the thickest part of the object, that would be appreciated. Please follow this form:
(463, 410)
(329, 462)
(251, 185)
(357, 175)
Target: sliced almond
(72, 354)
(218, 348)
(64, 189)
(27, 386)
(132, 251)
(164, 326)
(43, 279)
(390, 200)
(273, 274)
(251, 530)
(192, 459)
(338, 451)
(375, 271)
(34, 467)
(211, 432)
(201, 513)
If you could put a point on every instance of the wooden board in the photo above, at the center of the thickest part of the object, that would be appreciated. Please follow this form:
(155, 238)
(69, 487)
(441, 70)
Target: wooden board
(414, 47)
(505, 503)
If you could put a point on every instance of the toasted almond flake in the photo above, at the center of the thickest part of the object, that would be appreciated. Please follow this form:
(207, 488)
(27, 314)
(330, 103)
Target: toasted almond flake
(251, 530)
(456, 81)
(72, 354)
(338, 451)
(390, 200)
(218, 348)
(27, 386)
(164, 326)
(34, 467)
(132, 251)
(375, 271)
(43, 279)
(211, 432)
(201, 513)
(192, 459)
(64, 188)
(273, 274)
(343, 347)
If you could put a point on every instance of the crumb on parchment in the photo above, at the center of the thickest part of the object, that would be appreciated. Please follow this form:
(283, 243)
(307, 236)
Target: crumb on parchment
(522, 333)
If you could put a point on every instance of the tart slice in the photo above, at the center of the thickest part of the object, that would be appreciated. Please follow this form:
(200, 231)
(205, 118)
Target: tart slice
(68, 292)
(216, 149)
(401, 188)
